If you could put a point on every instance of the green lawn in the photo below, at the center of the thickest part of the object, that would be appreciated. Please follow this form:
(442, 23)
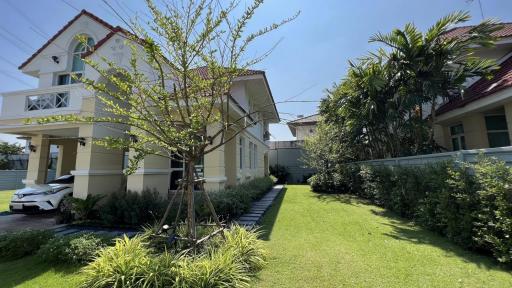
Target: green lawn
(5, 198)
(337, 241)
(328, 241)
(30, 272)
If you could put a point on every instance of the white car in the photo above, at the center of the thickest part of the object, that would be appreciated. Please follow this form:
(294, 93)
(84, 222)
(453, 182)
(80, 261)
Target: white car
(45, 197)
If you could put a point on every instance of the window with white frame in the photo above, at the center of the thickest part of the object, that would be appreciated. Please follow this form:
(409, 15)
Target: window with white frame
(241, 144)
(497, 130)
(255, 160)
(251, 155)
(77, 64)
(458, 139)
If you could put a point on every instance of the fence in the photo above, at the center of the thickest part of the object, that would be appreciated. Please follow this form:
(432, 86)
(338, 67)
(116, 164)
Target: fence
(289, 154)
(470, 156)
(12, 179)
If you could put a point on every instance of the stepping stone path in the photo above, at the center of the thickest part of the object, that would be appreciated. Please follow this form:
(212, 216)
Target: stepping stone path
(258, 208)
(65, 230)
(248, 220)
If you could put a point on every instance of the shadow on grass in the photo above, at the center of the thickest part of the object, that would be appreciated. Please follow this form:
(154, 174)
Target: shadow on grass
(406, 230)
(269, 220)
(341, 198)
(17, 272)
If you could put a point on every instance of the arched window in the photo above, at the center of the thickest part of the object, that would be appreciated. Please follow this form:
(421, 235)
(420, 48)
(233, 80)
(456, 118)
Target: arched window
(77, 64)
(80, 48)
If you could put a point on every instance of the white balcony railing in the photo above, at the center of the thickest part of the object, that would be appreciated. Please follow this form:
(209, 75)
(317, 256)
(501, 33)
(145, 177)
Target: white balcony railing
(42, 101)
(47, 101)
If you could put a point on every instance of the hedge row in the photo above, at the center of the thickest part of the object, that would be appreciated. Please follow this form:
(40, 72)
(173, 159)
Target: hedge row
(127, 208)
(470, 204)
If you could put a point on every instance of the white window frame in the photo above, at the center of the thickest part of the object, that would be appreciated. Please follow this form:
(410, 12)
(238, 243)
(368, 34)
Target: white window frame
(241, 148)
(458, 136)
(255, 160)
(495, 131)
(251, 155)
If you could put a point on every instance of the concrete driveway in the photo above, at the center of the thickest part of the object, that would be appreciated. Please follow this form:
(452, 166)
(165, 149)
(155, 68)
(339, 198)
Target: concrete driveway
(17, 222)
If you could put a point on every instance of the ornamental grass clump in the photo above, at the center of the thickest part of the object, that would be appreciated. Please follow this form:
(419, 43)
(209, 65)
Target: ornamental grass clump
(227, 261)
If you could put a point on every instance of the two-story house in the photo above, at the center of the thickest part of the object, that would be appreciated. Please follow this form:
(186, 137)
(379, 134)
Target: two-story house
(99, 170)
(289, 153)
(482, 116)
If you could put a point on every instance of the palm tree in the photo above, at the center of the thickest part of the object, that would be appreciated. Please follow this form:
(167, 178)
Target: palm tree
(433, 65)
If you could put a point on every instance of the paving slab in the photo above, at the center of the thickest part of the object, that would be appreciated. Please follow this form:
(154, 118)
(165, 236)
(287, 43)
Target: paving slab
(258, 208)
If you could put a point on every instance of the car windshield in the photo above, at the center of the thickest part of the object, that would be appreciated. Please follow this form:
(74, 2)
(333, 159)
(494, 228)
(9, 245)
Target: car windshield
(66, 179)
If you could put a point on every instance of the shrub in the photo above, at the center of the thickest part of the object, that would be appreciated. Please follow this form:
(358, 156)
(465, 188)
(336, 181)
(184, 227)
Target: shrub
(493, 223)
(246, 246)
(132, 208)
(280, 172)
(126, 264)
(471, 204)
(233, 202)
(86, 209)
(73, 249)
(132, 263)
(20, 244)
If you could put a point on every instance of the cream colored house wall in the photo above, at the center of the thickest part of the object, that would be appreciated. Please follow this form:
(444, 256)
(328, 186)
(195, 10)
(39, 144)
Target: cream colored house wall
(98, 170)
(304, 131)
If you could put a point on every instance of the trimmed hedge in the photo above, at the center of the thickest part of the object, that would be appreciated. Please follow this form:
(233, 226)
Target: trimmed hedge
(16, 245)
(73, 249)
(471, 204)
(235, 201)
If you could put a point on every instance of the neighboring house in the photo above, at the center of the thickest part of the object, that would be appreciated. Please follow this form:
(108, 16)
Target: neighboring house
(289, 153)
(98, 170)
(482, 116)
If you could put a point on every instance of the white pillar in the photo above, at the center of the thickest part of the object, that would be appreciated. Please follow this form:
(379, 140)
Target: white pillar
(38, 160)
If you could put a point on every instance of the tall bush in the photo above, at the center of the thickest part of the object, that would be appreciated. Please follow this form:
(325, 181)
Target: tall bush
(471, 204)
(132, 208)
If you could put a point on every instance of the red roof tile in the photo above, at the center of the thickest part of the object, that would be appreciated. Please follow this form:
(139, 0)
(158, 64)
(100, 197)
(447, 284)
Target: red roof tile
(501, 79)
(83, 12)
(505, 31)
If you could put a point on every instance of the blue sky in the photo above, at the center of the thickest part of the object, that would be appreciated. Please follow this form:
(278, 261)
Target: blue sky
(312, 54)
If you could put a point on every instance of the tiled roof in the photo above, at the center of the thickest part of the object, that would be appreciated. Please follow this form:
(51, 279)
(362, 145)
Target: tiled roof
(305, 120)
(505, 31)
(501, 79)
(83, 12)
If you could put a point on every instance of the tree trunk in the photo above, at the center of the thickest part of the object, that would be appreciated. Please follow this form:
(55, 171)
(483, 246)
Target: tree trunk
(189, 188)
(433, 120)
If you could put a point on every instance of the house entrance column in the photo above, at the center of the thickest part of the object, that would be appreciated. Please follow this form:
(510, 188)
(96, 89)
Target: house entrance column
(98, 169)
(67, 157)
(38, 160)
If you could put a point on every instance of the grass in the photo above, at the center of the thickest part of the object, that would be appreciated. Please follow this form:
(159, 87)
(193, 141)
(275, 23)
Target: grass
(338, 241)
(5, 198)
(30, 272)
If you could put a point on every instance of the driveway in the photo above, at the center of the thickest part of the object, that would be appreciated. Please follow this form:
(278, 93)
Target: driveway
(17, 222)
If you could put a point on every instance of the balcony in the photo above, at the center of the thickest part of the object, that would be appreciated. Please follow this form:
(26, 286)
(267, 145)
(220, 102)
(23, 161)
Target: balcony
(41, 102)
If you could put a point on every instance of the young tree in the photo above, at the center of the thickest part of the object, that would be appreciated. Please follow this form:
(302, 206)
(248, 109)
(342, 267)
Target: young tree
(194, 50)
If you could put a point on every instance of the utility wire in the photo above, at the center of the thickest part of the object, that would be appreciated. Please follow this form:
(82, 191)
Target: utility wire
(17, 38)
(22, 14)
(14, 43)
(5, 73)
(8, 61)
(69, 4)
